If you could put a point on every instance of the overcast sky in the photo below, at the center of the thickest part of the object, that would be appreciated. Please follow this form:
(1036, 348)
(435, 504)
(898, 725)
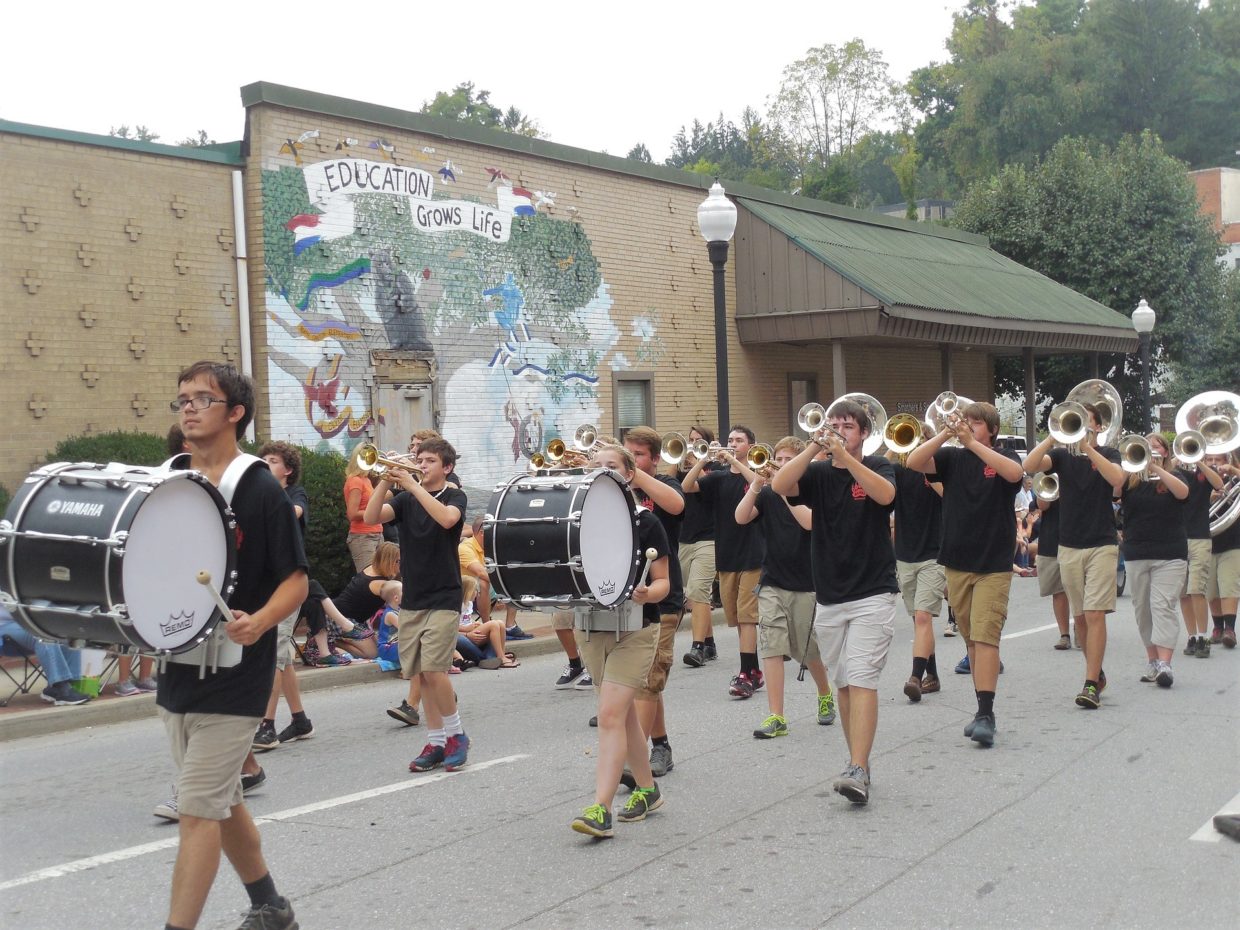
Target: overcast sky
(600, 76)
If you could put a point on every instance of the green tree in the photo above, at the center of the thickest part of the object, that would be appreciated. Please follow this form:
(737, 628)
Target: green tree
(640, 153)
(1117, 225)
(1211, 358)
(904, 167)
(137, 133)
(197, 141)
(466, 105)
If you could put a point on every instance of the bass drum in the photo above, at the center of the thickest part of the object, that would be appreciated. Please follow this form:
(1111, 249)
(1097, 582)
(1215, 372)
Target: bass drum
(563, 539)
(107, 556)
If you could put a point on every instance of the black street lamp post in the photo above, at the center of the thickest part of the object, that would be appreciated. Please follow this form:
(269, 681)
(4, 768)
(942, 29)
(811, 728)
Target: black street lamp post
(717, 222)
(1143, 322)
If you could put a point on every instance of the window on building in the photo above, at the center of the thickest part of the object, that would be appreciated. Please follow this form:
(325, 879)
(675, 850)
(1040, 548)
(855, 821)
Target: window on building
(633, 400)
(802, 389)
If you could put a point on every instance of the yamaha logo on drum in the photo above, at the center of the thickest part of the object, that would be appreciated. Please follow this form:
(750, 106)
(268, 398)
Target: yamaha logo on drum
(75, 508)
(606, 588)
(176, 623)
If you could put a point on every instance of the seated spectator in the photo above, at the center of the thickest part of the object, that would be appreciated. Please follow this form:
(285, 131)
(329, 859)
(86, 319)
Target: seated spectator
(126, 686)
(481, 641)
(389, 658)
(61, 665)
(343, 622)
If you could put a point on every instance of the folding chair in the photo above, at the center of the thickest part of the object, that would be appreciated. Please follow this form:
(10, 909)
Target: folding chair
(24, 680)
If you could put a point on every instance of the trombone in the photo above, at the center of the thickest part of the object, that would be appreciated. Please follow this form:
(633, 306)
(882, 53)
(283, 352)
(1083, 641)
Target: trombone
(371, 461)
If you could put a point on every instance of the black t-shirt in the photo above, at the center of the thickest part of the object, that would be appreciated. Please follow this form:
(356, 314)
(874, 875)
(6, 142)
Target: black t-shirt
(698, 524)
(1088, 518)
(1048, 531)
(297, 497)
(1197, 505)
(650, 534)
(430, 569)
(1227, 540)
(979, 512)
(737, 548)
(670, 522)
(919, 516)
(1153, 522)
(787, 564)
(850, 543)
(269, 550)
(356, 600)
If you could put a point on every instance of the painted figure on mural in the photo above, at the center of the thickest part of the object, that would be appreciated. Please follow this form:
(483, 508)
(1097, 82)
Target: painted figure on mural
(396, 301)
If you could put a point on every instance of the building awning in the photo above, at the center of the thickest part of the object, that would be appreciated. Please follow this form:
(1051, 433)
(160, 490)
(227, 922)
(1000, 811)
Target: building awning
(805, 275)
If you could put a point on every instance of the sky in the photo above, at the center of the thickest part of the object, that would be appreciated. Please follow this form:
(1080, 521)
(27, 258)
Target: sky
(598, 76)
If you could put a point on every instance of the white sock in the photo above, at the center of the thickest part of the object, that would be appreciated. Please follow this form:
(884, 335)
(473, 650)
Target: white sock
(452, 724)
(437, 738)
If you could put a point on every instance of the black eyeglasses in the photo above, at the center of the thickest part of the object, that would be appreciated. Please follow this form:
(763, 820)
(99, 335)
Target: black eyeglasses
(197, 402)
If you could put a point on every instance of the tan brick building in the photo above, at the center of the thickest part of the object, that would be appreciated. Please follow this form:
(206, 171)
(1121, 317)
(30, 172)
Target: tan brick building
(405, 271)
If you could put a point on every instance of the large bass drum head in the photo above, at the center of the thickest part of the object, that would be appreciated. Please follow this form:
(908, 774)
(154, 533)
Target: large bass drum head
(608, 539)
(179, 531)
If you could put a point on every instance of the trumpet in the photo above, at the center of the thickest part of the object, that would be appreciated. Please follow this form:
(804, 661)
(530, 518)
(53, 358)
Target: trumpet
(676, 449)
(902, 434)
(1135, 453)
(812, 418)
(1189, 447)
(371, 461)
(759, 456)
(1046, 486)
(559, 455)
(1068, 423)
(945, 414)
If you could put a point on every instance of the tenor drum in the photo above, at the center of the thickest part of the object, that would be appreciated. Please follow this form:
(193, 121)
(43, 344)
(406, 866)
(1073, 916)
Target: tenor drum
(107, 556)
(563, 539)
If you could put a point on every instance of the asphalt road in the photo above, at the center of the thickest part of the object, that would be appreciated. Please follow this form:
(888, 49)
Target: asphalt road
(1074, 818)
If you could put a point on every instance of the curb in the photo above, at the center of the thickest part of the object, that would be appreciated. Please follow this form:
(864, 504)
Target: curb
(49, 720)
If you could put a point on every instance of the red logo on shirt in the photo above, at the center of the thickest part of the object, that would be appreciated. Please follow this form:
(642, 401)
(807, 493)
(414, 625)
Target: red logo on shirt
(858, 492)
(988, 472)
(1161, 488)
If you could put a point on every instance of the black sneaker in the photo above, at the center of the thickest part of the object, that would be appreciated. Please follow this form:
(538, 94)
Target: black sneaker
(568, 677)
(250, 782)
(297, 730)
(405, 714)
(627, 779)
(1190, 647)
(983, 731)
(270, 917)
(594, 821)
(1088, 698)
(1203, 647)
(641, 802)
(63, 694)
(711, 652)
(660, 761)
(593, 721)
(695, 657)
(431, 758)
(265, 738)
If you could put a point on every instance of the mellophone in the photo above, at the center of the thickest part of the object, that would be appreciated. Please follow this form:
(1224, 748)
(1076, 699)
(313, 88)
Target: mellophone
(122, 557)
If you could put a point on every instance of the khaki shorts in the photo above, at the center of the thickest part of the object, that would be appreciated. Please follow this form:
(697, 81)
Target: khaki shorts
(656, 681)
(1089, 578)
(209, 750)
(284, 641)
(363, 546)
(627, 661)
(1225, 576)
(786, 624)
(738, 592)
(1049, 580)
(562, 620)
(980, 601)
(426, 639)
(855, 637)
(921, 585)
(1200, 575)
(697, 568)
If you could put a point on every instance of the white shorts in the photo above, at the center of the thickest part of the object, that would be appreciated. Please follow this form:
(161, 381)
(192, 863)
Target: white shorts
(854, 638)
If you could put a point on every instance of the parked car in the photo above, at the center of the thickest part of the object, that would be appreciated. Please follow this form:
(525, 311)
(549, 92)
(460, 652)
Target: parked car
(1014, 443)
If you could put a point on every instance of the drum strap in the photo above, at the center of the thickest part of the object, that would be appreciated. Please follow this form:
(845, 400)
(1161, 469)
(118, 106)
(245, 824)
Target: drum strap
(232, 474)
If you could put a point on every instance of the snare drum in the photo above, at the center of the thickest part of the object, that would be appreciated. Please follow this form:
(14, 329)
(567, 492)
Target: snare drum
(108, 556)
(563, 539)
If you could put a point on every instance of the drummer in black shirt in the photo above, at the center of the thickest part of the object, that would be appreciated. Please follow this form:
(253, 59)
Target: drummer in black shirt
(1088, 543)
(854, 570)
(786, 595)
(663, 495)
(696, 554)
(979, 535)
(919, 530)
(211, 720)
(738, 553)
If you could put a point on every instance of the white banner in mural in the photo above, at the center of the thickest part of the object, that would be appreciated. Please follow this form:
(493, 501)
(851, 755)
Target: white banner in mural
(332, 185)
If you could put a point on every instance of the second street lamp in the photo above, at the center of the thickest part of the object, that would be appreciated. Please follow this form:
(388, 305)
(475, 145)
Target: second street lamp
(1143, 322)
(717, 221)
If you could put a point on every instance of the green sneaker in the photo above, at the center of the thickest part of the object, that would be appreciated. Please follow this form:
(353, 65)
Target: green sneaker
(772, 727)
(595, 821)
(640, 803)
(826, 709)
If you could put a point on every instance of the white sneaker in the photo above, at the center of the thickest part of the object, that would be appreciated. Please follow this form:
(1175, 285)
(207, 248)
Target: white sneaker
(1164, 677)
(1151, 671)
(950, 629)
(167, 809)
(584, 683)
(126, 688)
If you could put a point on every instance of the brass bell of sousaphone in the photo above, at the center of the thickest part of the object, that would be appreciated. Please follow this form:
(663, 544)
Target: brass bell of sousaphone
(1216, 416)
(878, 419)
(1110, 408)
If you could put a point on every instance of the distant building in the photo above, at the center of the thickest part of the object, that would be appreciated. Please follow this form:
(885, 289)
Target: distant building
(1218, 190)
(926, 209)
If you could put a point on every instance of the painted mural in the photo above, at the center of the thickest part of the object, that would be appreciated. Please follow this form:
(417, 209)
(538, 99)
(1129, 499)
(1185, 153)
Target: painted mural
(363, 253)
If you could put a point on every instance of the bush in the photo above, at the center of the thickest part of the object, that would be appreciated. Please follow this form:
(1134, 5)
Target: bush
(322, 475)
(5, 497)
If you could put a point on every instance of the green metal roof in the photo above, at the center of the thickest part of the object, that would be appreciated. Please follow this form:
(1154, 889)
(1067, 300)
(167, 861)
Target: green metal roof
(220, 153)
(906, 267)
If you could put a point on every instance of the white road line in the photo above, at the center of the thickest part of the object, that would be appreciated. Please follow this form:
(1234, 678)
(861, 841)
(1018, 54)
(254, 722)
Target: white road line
(1207, 833)
(133, 852)
(1036, 629)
